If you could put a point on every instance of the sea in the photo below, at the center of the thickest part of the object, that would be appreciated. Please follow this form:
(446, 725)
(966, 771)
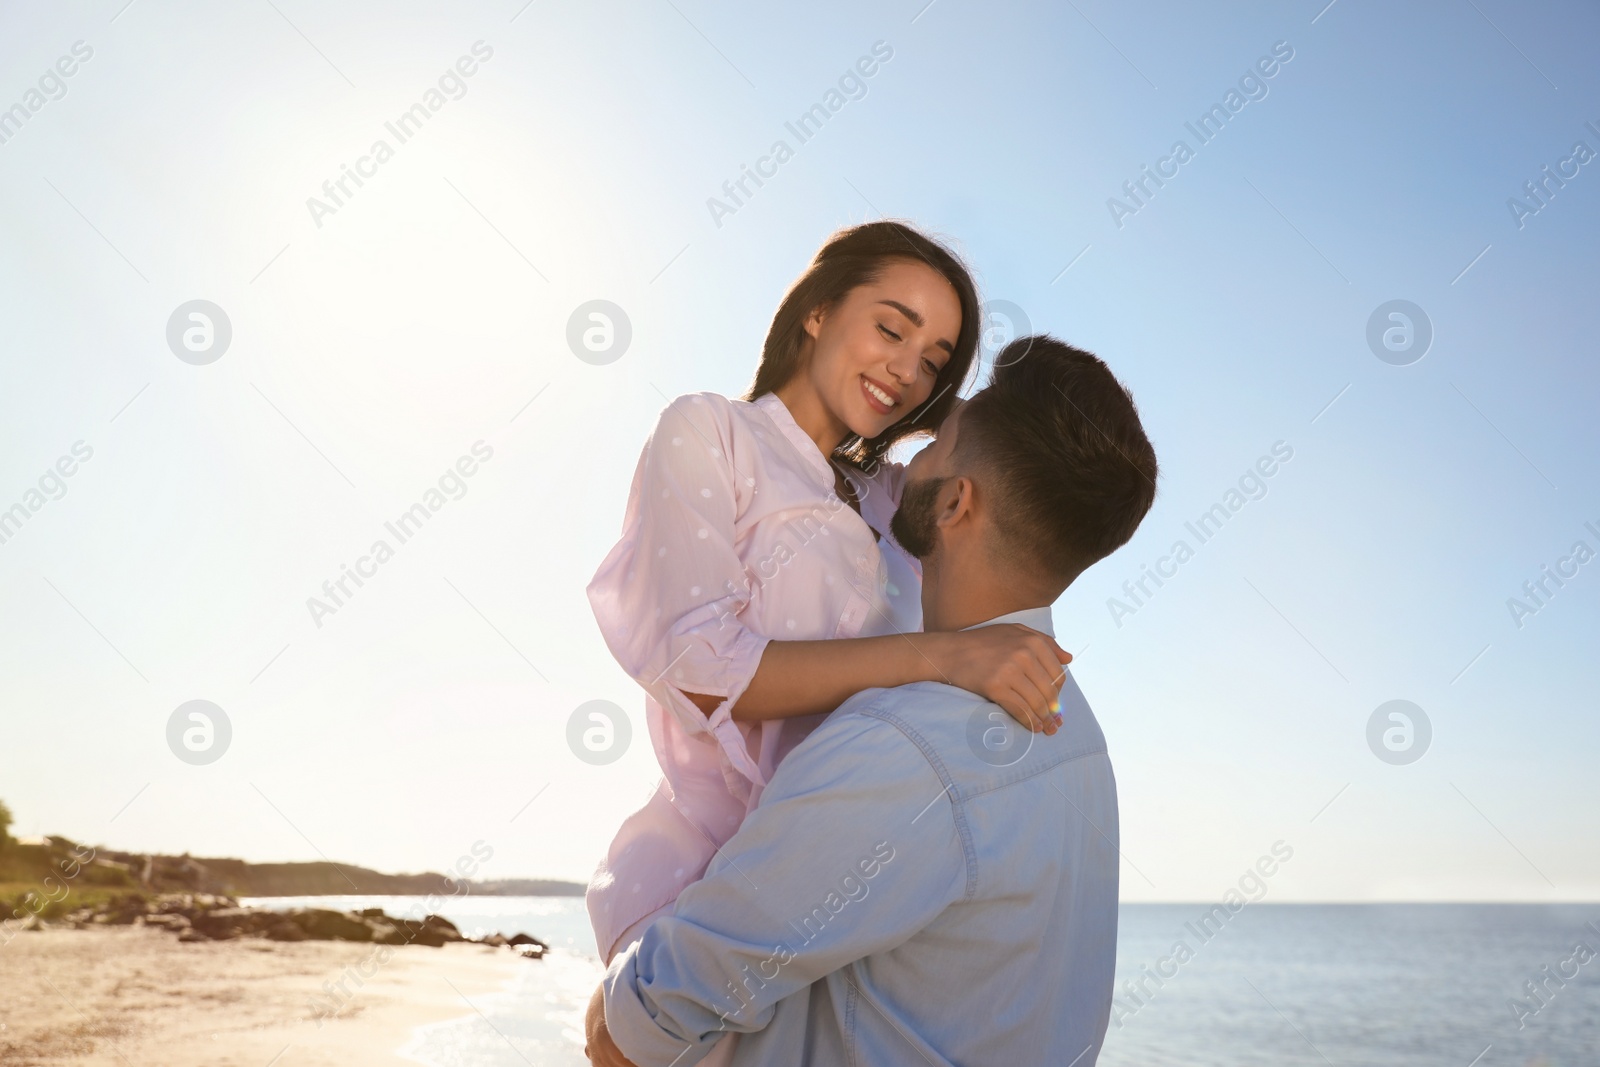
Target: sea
(1275, 985)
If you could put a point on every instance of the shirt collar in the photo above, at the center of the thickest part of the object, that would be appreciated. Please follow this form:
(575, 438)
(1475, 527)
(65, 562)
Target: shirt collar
(778, 412)
(1033, 618)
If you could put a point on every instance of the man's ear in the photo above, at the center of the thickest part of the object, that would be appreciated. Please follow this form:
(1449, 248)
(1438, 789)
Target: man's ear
(956, 502)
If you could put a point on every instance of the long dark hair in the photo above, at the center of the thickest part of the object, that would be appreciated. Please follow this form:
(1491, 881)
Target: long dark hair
(852, 257)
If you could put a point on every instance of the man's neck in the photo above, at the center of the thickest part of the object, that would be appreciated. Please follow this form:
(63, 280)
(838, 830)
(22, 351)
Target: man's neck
(974, 598)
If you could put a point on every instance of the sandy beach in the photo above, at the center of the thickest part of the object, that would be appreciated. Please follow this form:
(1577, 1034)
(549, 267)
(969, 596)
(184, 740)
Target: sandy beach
(135, 996)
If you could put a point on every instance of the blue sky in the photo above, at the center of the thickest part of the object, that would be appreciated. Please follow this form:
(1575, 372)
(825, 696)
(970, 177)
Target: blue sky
(375, 345)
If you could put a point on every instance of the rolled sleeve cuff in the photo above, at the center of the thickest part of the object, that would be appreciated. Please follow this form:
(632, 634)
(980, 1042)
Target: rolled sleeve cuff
(740, 662)
(635, 1031)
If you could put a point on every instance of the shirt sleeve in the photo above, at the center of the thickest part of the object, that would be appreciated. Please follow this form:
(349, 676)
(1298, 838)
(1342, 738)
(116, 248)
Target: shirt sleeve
(669, 596)
(853, 849)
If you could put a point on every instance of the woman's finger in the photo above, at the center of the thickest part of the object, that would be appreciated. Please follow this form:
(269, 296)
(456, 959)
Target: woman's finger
(1048, 670)
(1034, 688)
(1062, 655)
(1031, 684)
(1018, 709)
(1055, 665)
(1057, 674)
(1035, 723)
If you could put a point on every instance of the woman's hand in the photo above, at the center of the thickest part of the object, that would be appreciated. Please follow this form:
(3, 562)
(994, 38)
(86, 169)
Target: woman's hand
(1012, 665)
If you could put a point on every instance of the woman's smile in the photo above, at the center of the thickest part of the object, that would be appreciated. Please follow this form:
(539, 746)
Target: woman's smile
(880, 397)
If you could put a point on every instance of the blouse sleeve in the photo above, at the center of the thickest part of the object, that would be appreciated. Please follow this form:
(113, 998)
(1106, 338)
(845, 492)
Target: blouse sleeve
(669, 596)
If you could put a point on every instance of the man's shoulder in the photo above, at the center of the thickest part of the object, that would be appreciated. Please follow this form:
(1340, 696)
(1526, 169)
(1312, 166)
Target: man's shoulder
(971, 743)
(876, 715)
(885, 733)
(936, 710)
(866, 738)
(887, 701)
(910, 714)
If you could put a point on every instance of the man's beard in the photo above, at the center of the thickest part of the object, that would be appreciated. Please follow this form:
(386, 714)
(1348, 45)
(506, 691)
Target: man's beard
(913, 524)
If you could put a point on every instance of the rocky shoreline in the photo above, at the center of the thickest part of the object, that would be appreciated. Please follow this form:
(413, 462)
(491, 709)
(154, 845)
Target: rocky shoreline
(199, 917)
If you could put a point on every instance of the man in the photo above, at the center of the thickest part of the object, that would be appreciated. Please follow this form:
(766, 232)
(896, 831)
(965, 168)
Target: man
(923, 881)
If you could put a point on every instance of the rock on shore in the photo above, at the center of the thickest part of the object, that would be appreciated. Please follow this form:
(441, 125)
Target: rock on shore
(214, 917)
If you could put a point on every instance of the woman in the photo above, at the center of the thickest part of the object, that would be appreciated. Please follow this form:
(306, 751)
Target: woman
(755, 588)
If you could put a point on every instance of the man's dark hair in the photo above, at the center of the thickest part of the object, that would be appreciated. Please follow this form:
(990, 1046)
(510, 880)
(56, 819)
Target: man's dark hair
(1062, 451)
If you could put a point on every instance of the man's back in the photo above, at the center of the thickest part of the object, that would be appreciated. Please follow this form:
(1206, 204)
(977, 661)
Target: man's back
(1017, 969)
(923, 882)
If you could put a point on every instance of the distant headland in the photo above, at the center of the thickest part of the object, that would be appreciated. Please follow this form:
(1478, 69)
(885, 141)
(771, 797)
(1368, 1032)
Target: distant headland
(55, 865)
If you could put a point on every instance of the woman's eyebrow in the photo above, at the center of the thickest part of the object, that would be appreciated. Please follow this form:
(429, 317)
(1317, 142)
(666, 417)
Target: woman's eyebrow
(911, 313)
(916, 317)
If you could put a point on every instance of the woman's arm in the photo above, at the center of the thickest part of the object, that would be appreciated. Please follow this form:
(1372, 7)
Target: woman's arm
(664, 595)
(1012, 665)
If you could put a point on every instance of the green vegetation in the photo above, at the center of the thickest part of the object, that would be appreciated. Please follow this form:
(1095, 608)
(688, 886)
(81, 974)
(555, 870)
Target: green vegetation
(18, 900)
(51, 879)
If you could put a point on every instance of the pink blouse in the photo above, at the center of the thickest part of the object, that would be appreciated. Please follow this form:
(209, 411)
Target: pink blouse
(733, 536)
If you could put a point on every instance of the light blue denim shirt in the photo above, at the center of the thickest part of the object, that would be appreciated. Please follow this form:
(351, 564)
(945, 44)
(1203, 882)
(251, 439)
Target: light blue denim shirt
(923, 882)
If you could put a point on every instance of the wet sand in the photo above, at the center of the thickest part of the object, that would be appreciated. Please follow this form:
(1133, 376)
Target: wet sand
(134, 996)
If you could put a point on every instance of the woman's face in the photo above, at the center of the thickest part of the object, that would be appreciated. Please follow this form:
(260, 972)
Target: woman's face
(877, 351)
